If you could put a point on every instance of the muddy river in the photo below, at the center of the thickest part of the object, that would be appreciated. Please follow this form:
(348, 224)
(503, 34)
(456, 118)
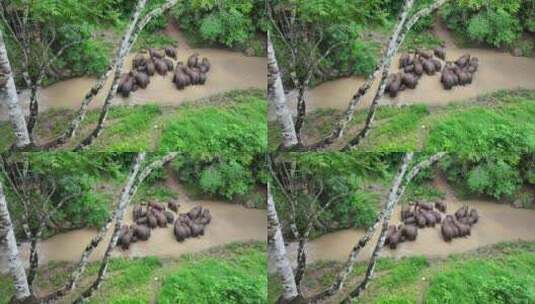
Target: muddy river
(497, 71)
(230, 71)
(497, 223)
(230, 223)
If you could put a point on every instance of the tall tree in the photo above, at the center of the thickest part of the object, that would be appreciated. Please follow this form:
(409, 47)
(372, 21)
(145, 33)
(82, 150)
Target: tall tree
(277, 99)
(277, 252)
(10, 99)
(8, 244)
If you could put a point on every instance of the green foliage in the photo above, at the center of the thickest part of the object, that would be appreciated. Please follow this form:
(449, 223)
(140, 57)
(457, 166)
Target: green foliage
(219, 146)
(212, 280)
(228, 22)
(497, 23)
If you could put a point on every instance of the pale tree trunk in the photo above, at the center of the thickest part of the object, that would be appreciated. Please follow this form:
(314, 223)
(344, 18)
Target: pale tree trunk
(8, 245)
(133, 33)
(277, 99)
(389, 209)
(135, 180)
(277, 251)
(9, 97)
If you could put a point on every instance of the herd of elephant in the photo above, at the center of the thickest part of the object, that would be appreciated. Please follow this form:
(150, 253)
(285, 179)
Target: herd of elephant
(413, 66)
(194, 72)
(152, 215)
(420, 215)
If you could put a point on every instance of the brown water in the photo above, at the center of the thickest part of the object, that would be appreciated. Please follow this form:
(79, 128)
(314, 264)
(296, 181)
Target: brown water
(230, 223)
(230, 71)
(498, 70)
(497, 223)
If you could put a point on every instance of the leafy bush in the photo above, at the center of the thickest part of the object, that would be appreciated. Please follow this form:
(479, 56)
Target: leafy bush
(228, 22)
(498, 23)
(221, 146)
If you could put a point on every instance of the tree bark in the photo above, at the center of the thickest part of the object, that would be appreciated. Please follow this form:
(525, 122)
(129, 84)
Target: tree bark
(8, 245)
(9, 97)
(277, 99)
(277, 251)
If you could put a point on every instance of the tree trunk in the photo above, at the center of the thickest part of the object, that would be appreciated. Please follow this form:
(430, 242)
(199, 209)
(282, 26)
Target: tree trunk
(277, 251)
(277, 99)
(8, 245)
(9, 97)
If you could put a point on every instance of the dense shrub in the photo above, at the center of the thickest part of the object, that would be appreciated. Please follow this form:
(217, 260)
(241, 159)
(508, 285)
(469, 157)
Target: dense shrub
(497, 23)
(221, 146)
(225, 22)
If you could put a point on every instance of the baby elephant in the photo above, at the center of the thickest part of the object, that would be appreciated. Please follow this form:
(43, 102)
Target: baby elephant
(170, 52)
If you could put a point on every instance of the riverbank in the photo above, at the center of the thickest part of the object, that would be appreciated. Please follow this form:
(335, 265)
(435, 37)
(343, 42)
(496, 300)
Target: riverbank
(500, 273)
(150, 279)
(424, 127)
(141, 127)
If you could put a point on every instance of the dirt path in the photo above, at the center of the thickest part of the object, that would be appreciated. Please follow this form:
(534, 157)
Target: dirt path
(498, 223)
(230, 223)
(498, 70)
(230, 71)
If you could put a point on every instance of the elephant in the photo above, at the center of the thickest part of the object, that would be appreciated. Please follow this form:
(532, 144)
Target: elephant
(142, 232)
(463, 61)
(421, 220)
(473, 64)
(142, 79)
(429, 67)
(404, 60)
(170, 52)
(193, 60)
(205, 65)
(418, 68)
(448, 79)
(161, 67)
(184, 218)
(202, 78)
(205, 217)
(181, 80)
(136, 212)
(197, 230)
(425, 206)
(173, 205)
(126, 237)
(391, 229)
(437, 64)
(193, 75)
(139, 61)
(152, 221)
(474, 216)
(430, 219)
(406, 211)
(410, 220)
(440, 53)
(169, 216)
(195, 212)
(447, 231)
(464, 229)
(440, 206)
(465, 78)
(157, 206)
(437, 215)
(142, 220)
(423, 54)
(461, 212)
(151, 69)
(181, 231)
(394, 85)
(161, 219)
(395, 239)
(408, 68)
(155, 54)
(410, 232)
(169, 63)
(410, 81)
(125, 85)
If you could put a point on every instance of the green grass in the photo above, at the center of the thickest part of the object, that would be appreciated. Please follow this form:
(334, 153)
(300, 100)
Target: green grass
(139, 128)
(237, 269)
(499, 121)
(498, 274)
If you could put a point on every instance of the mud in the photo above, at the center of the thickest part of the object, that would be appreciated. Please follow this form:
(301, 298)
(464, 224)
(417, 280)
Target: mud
(230, 71)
